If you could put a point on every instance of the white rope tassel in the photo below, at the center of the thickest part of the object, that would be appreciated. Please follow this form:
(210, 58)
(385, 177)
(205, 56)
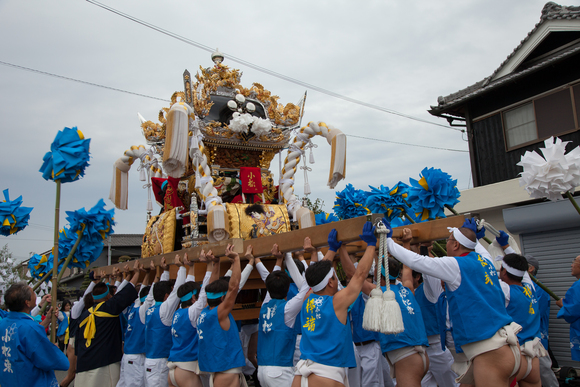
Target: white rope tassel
(374, 306)
(197, 177)
(148, 187)
(142, 176)
(306, 169)
(392, 319)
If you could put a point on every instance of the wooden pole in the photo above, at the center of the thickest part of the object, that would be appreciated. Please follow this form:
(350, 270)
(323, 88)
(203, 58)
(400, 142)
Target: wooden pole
(551, 293)
(40, 282)
(55, 262)
(71, 253)
(348, 231)
(569, 196)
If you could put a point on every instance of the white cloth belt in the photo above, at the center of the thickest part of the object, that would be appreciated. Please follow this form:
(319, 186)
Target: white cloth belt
(305, 368)
(505, 335)
(531, 349)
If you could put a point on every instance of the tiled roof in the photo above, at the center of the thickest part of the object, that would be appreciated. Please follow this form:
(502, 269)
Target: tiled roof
(126, 240)
(551, 11)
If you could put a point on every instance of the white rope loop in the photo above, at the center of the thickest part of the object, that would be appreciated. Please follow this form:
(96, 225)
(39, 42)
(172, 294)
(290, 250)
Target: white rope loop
(303, 142)
(382, 232)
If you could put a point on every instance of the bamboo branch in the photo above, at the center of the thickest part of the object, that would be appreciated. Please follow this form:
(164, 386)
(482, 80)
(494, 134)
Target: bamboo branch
(551, 293)
(456, 213)
(41, 281)
(569, 196)
(70, 254)
(55, 261)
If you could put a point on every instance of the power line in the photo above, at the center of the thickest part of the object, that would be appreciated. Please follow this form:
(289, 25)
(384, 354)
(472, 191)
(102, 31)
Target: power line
(79, 81)
(402, 143)
(265, 70)
(161, 99)
(30, 224)
(38, 240)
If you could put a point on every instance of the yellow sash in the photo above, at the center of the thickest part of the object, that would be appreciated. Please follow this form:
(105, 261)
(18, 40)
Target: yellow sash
(91, 327)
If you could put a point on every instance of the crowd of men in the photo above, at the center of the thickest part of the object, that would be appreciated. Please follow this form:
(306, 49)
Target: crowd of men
(465, 323)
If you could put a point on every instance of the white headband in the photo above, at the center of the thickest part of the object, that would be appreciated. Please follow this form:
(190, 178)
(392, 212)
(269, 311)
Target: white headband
(462, 239)
(322, 284)
(512, 270)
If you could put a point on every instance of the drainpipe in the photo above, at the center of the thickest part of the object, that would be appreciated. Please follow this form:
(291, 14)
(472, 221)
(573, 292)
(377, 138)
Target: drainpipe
(109, 251)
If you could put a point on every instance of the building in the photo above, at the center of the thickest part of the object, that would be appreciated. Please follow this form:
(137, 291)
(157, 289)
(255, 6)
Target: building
(533, 95)
(127, 246)
(115, 247)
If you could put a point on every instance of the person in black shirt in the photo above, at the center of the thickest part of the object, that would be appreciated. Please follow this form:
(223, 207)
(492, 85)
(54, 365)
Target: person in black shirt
(99, 355)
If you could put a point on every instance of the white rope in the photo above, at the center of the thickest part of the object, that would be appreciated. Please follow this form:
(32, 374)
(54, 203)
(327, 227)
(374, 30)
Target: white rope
(306, 169)
(374, 308)
(392, 319)
(303, 142)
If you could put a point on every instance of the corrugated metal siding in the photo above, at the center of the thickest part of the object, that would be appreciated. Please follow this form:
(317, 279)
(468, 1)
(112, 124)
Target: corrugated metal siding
(555, 250)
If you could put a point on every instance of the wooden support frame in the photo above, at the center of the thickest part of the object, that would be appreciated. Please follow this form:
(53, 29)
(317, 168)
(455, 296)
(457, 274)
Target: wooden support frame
(348, 231)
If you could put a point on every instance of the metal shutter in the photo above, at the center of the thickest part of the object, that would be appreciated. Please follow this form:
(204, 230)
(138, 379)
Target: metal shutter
(555, 250)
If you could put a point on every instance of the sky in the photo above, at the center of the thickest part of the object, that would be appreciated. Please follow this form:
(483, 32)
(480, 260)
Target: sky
(399, 55)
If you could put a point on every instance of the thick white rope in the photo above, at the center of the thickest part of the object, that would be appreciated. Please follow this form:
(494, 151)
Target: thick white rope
(302, 141)
(392, 318)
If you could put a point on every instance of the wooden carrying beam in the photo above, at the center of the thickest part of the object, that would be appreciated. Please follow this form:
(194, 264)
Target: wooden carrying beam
(347, 231)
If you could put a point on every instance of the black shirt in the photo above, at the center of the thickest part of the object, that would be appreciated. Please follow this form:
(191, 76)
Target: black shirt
(106, 347)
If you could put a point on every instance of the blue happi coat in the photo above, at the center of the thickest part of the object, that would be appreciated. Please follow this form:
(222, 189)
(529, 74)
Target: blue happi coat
(27, 357)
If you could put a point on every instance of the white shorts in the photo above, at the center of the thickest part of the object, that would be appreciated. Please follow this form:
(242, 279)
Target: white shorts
(460, 361)
(305, 368)
(297, 350)
(132, 371)
(156, 372)
(440, 372)
(106, 376)
(246, 333)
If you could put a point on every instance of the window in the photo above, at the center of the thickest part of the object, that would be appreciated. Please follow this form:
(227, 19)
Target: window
(550, 115)
(520, 125)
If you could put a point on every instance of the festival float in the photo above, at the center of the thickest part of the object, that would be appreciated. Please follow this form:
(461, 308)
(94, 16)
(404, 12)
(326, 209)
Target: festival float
(208, 164)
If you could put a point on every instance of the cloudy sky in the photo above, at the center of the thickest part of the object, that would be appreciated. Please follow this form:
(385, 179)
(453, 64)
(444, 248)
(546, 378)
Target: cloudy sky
(399, 55)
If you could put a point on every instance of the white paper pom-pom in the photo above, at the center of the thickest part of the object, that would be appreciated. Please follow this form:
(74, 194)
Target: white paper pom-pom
(554, 173)
(261, 126)
(240, 122)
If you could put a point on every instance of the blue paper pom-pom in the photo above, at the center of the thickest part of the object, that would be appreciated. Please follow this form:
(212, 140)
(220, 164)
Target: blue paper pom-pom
(350, 202)
(40, 266)
(324, 217)
(389, 201)
(68, 156)
(86, 253)
(98, 222)
(13, 217)
(429, 195)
